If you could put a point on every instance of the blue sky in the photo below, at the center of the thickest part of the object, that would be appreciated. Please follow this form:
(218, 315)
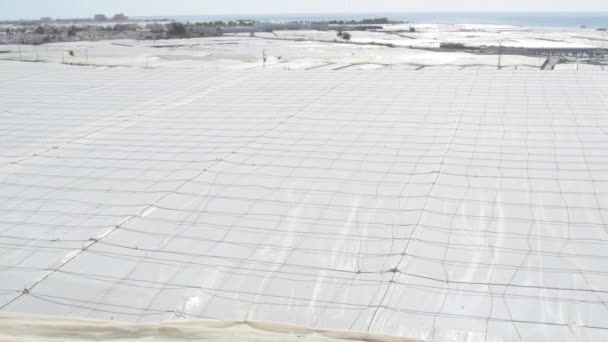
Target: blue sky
(16, 9)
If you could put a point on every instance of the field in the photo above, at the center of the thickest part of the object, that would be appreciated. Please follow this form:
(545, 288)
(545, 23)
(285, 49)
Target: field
(394, 47)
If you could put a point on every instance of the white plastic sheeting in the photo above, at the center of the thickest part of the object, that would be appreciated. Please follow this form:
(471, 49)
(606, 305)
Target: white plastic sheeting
(437, 205)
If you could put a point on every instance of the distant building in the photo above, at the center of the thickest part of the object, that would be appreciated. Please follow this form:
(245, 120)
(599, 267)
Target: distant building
(120, 17)
(100, 17)
(46, 19)
(240, 29)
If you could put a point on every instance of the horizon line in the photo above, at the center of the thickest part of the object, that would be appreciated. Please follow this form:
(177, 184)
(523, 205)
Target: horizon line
(162, 16)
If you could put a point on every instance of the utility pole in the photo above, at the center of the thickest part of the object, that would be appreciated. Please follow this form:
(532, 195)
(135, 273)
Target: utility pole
(499, 53)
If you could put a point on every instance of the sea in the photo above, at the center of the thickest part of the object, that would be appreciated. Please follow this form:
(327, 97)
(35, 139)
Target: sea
(527, 19)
